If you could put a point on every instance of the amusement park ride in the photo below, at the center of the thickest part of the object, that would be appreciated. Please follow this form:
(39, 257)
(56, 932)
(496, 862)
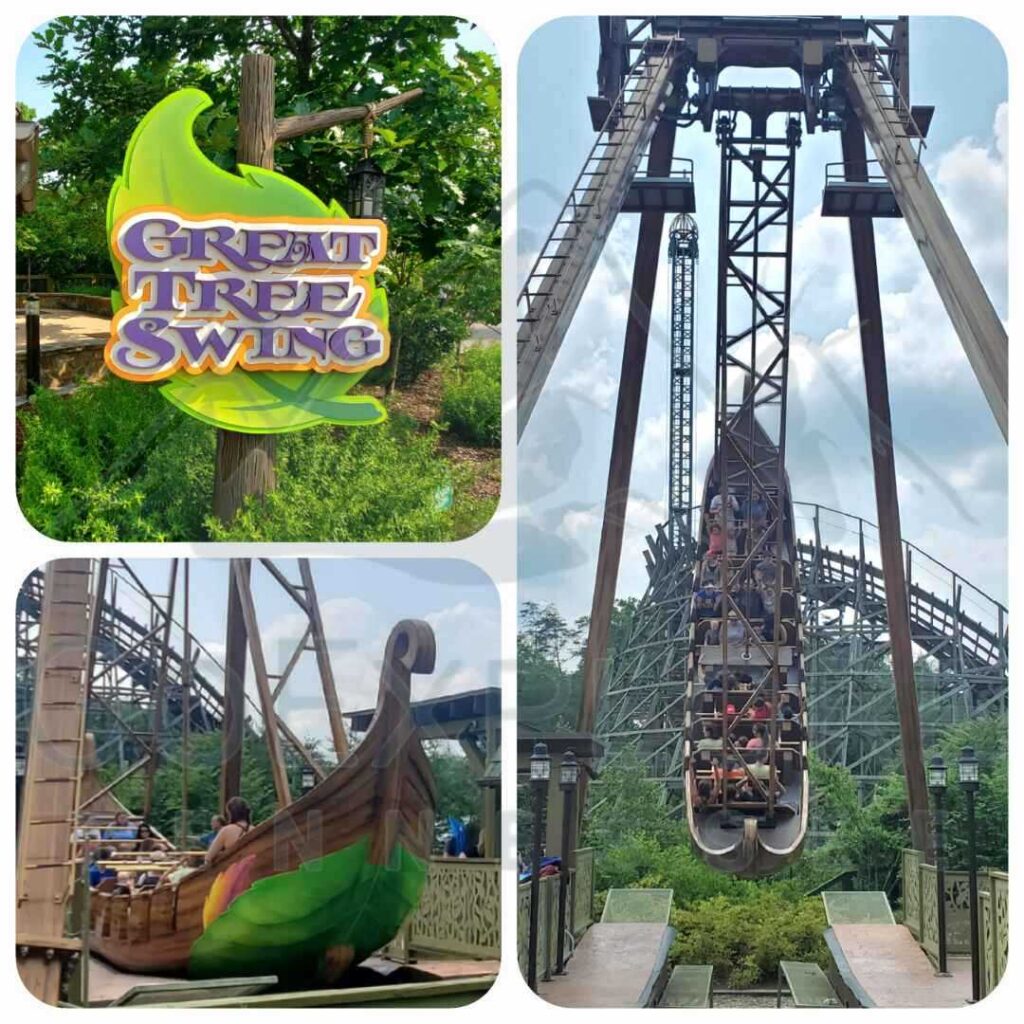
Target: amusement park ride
(305, 895)
(844, 631)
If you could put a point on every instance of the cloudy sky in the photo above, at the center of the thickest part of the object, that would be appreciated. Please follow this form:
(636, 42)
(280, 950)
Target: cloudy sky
(360, 600)
(951, 459)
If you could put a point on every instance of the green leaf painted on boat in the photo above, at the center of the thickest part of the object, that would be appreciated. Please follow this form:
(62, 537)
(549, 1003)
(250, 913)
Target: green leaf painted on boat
(163, 166)
(285, 924)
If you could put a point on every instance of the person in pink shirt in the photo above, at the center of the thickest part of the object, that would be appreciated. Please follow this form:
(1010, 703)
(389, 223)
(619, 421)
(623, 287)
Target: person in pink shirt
(715, 540)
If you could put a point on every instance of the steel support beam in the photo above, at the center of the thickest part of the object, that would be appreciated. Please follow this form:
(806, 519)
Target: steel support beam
(552, 292)
(974, 317)
(869, 310)
(634, 355)
(235, 653)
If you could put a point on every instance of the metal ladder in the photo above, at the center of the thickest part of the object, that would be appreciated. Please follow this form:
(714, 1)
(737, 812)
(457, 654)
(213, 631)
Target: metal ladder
(46, 844)
(894, 138)
(567, 258)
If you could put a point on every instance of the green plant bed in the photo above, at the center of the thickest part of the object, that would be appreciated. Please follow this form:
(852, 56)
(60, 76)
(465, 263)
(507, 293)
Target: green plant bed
(116, 462)
(744, 939)
(471, 398)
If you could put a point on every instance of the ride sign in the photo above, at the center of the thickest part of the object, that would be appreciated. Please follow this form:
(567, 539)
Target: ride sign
(250, 301)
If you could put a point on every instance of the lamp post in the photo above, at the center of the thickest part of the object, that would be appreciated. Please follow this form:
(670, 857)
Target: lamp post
(969, 773)
(937, 785)
(569, 778)
(540, 773)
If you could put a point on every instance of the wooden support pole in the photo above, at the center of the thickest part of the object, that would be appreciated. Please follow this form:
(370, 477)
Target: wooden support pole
(872, 339)
(246, 462)
(158, 700)
(186, 703)
(233, 722)
(634, 353)
(259, 668)
(303, 124)
(323, 662)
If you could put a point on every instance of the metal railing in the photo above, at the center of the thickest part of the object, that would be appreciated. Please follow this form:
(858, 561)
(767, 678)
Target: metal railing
(581, 914)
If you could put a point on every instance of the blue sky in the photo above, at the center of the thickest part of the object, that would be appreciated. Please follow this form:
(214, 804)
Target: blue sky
(360, 600)
(951, 459)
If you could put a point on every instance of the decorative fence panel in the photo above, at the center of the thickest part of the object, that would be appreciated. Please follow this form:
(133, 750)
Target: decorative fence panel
(583, 892)
(999, 894)
(523, 926)
(929, 937)
(920, 906)
(579, 914)
(912, 891)
(459, 911)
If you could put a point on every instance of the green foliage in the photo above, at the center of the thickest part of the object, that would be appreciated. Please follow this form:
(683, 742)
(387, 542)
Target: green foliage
(114, 461)
(468, 274)
(870, 836)
(547, 685)
(204, 761)
(471, 399)
(458, 795)
(376, 483)
(65, 234)
(441, 154)
(423, 331)
(744, 939)
(990, 739)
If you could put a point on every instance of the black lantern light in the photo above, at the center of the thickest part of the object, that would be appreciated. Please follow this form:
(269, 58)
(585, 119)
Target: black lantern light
(969, 772)
(308, 778)
(937, 784)
(968, 768)
(540, 773)
(366, 182)
(568, 779)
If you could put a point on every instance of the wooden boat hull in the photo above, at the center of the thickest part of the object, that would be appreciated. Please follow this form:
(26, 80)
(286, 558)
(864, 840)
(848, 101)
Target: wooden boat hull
(318, 887)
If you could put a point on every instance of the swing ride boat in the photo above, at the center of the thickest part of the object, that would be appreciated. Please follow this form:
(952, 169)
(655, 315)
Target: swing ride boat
(318, 887)
(745, 747)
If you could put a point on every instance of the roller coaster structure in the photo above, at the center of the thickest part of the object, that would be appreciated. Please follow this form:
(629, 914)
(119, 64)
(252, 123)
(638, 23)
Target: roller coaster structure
(959, 634)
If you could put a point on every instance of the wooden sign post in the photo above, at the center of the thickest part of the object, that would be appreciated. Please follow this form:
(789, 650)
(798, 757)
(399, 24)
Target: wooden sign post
(246, 462)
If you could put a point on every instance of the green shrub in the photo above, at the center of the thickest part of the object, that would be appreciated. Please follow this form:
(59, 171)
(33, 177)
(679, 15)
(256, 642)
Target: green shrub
(423, 332)
(471, 399)
(744, 939)
(371, 484)
(115, 461)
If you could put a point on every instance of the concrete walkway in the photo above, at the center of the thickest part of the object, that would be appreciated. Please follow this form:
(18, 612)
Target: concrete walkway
(63, 326)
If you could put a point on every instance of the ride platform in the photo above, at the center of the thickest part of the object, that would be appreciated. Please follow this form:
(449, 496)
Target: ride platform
(376, 982)
(623, 960)
(880, 963)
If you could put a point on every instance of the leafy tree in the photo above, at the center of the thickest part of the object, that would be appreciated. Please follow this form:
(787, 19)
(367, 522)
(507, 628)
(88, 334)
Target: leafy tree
(458, 795)
(441, 153)
(548, 690)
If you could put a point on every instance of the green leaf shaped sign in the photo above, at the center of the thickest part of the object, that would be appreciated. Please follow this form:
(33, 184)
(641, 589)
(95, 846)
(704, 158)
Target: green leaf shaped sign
(214, 341)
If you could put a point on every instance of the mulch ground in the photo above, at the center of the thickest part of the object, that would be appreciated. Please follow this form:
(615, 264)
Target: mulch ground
(421, 401)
